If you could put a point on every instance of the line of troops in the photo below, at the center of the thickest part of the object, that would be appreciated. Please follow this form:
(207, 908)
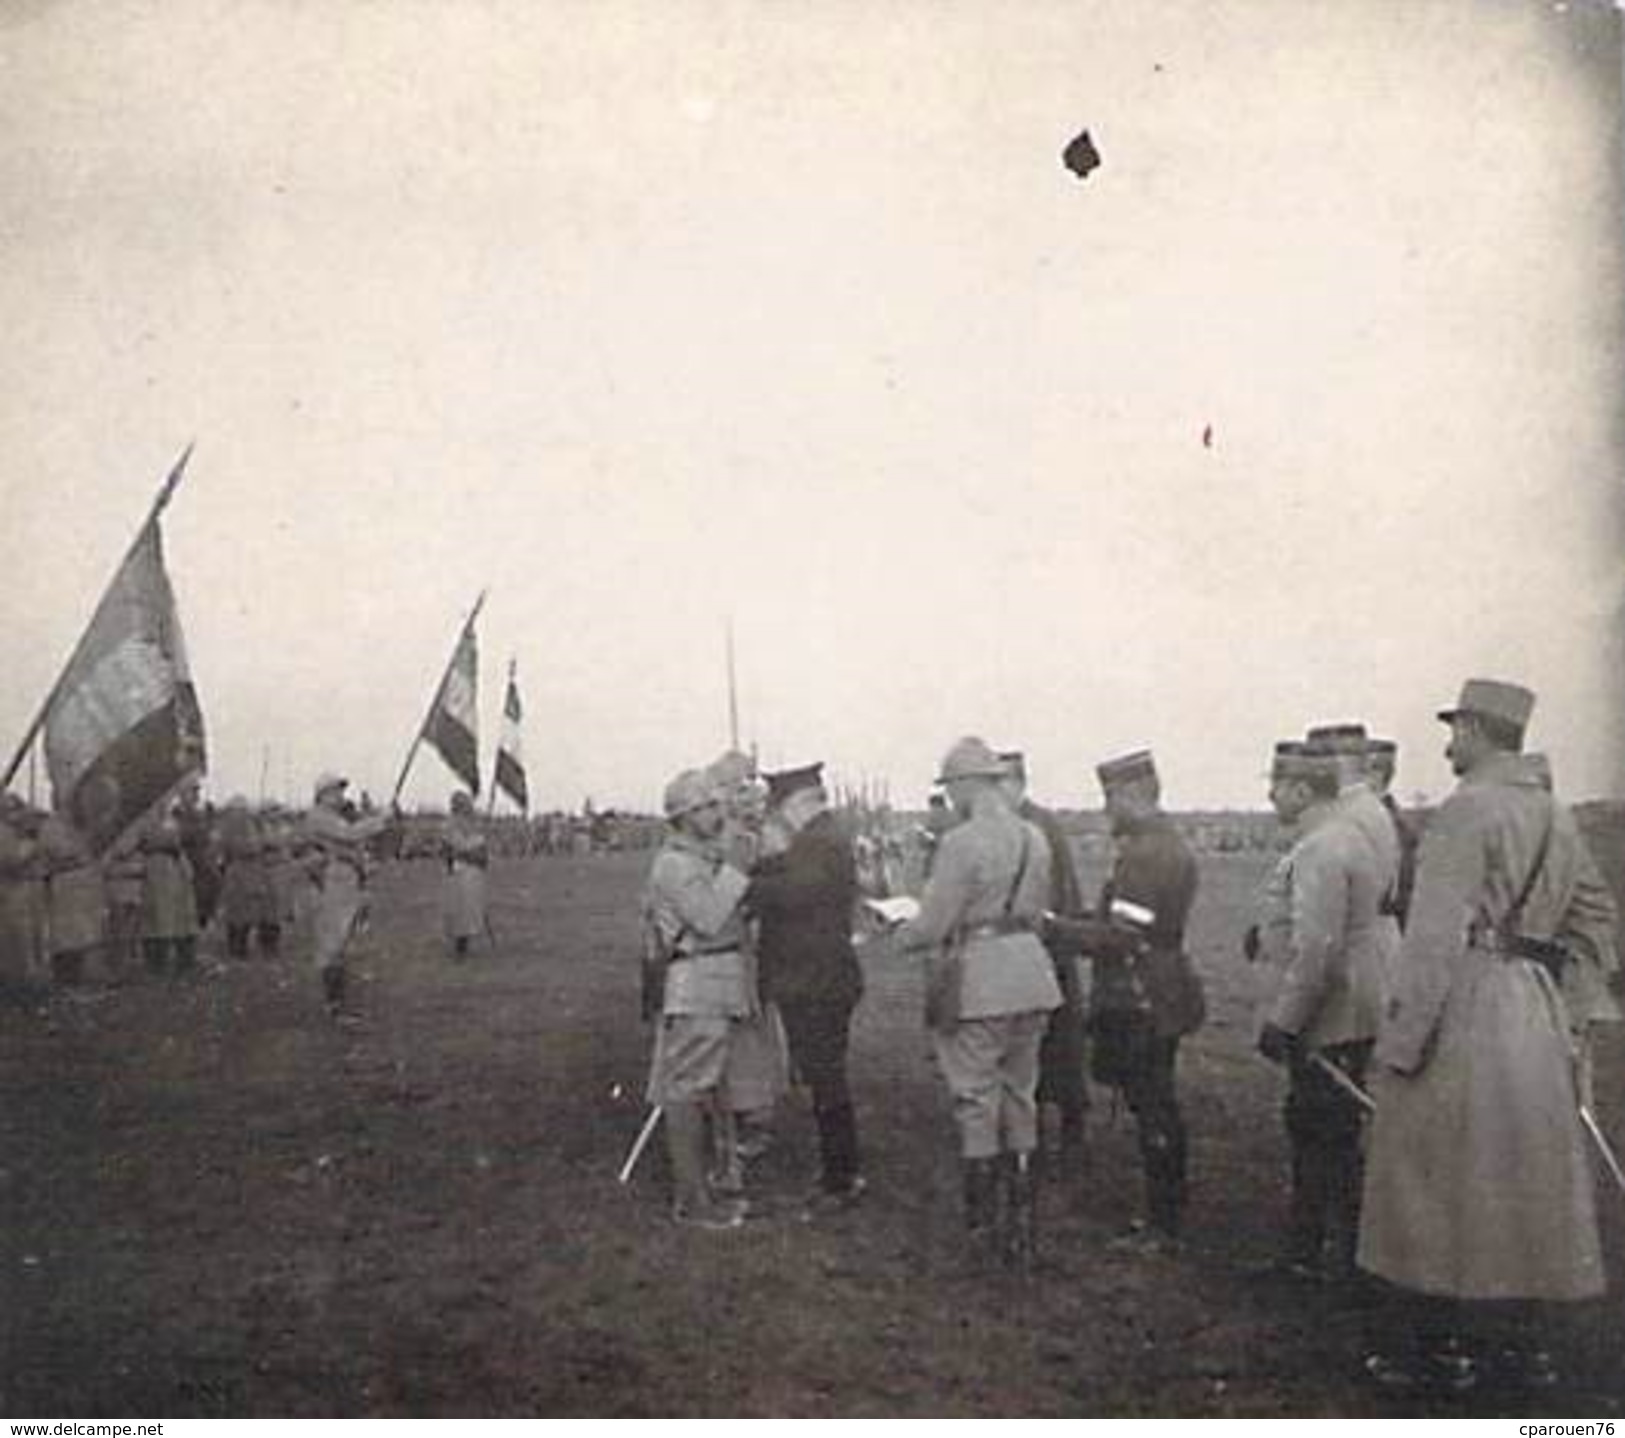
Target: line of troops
(1451, 990)
(145, 904)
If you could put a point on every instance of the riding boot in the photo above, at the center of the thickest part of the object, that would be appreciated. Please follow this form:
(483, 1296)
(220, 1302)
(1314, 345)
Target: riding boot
(333, 987)
(981, 1184)
(1020, 1212)
(837, 1149)
(692, 1203)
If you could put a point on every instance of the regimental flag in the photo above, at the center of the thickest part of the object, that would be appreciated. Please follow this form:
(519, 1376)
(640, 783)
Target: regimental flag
(510, 770)
(124, 730)
(453, 725)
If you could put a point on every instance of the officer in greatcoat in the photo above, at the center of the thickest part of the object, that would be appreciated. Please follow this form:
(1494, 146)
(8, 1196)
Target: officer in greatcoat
(1479, 1198)
(802, 898)
(990, 988)
(695, 971)
(1325, 1011)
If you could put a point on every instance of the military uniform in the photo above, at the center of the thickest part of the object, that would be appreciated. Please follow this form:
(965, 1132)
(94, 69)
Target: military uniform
(75, 900)
(1478, 1182)
(990, 987)
(1061, 1056)
(802, 898)
(247, 904)
(123, 872)
(338, 847)
(21, 897)
(1147, 995)
(169, 917)
(1328, 1005)
(466, 853)
(694, 945)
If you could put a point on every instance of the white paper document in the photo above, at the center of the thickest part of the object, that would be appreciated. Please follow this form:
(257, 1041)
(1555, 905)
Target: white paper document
(898, 910)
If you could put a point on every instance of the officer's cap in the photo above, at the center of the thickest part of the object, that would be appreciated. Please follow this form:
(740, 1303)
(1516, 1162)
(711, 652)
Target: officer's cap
(329, 781)
(1347, 738)
(1015, 763)
(970, 758)
(692, 789)
(782, 785)
(1292, 760)
(1494, 699)
(1126, 769)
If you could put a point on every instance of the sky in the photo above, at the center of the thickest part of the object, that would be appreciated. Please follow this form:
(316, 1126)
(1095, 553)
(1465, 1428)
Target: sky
(649, 317)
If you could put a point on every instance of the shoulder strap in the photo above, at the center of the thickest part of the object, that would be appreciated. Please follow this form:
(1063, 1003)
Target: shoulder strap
(1021, 870)
(1515, 913)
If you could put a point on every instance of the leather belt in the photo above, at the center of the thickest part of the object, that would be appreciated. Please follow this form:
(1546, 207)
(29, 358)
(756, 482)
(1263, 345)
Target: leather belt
(997, 928)
(704, 952)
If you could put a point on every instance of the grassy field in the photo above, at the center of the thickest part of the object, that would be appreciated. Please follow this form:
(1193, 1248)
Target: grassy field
(218, 1203)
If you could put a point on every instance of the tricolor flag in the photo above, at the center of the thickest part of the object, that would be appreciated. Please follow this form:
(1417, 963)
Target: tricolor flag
(453, 725)
(123, 729)
(510, 770)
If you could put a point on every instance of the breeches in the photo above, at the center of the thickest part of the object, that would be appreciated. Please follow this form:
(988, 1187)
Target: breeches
(818, 1033)
(690, 1057)
(991, 1068)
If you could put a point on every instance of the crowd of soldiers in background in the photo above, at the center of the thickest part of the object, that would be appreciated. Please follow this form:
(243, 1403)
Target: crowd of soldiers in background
(252, 873)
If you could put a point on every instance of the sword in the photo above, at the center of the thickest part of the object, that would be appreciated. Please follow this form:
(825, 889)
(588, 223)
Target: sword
(1344, 1082)
(640, 1143)
(1589, 1121)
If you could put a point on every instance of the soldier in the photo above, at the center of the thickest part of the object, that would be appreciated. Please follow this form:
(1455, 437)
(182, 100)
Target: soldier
(1146, 995)
(802, 897)
(246, 901)
(123, 872)
(75, 901)
(1478, 1186)
(695, 966)
(169, 917)
(21, 899)
(339, 848)
(194, 821)
(1326, 1010)
(1382, 757)
(1062, 1083)
(990, 986)
(758, 1067)
(467, 856)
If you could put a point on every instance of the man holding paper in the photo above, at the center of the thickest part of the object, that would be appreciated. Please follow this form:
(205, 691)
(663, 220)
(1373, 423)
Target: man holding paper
(990, 989)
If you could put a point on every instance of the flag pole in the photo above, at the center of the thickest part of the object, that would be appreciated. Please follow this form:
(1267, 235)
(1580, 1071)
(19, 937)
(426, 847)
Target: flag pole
(491, 801)
(165, 491)
(434, 703)
(733, 693)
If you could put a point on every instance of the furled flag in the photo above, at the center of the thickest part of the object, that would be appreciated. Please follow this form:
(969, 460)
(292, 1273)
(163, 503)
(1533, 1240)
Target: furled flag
(124, 730)
(510, 770)
(453, 725)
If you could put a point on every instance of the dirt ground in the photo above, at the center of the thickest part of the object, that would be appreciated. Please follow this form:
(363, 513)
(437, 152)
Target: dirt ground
(218, 1203)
